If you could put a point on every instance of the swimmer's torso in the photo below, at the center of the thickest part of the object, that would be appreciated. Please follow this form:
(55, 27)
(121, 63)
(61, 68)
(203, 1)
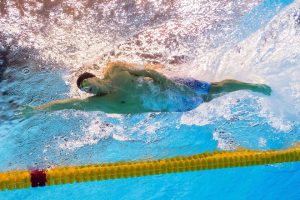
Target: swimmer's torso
(133, 94)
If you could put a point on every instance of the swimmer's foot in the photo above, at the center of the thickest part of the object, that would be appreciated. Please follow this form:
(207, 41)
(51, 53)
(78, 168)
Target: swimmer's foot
(262, 88)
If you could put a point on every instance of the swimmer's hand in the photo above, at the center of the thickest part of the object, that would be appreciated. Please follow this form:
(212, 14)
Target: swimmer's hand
(26, 111)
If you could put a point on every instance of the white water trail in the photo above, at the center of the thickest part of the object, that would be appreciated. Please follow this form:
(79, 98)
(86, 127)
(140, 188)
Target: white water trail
(270, 55)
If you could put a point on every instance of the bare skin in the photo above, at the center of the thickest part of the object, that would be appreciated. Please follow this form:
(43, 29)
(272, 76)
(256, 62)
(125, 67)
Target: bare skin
(120, 89)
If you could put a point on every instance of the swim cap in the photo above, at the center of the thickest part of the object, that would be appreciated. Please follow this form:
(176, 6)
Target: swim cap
(84, 76)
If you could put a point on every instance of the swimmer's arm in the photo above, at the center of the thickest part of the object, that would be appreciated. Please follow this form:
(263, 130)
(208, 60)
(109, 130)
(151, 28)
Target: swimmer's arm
(60, 105)
(92, 103)
(136, 71)
(88, 104)
(28, 111)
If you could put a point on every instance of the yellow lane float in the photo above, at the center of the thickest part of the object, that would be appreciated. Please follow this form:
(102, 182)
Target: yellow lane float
(209, 160)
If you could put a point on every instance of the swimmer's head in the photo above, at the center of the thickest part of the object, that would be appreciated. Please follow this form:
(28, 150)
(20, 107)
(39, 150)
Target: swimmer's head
(88, 82)
(82, 82)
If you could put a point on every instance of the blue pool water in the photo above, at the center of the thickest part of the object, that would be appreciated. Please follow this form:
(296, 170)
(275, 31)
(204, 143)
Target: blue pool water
(254, 41)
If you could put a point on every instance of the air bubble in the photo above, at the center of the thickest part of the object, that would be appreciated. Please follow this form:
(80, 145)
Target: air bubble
(26, 70)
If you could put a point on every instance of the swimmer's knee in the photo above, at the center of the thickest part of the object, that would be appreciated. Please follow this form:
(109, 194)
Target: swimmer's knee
(216, 87)
(227, 81)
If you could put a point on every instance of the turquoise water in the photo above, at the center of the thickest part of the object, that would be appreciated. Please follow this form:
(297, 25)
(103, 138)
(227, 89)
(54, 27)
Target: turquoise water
(206, 40)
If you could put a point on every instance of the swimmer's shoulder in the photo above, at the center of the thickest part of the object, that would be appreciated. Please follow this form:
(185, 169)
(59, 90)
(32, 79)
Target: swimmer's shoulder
(116, 66)
(120, 64)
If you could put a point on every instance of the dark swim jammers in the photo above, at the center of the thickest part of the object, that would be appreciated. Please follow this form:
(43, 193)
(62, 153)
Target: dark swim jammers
(200, 87)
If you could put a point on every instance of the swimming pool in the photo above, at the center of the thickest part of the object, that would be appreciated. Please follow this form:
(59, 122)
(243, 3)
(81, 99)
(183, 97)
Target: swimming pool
(206, 40)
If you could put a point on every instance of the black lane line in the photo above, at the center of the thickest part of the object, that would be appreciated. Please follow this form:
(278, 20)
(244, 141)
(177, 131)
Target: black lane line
(3, 62)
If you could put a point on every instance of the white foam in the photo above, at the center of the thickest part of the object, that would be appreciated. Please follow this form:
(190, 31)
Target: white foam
(272, 56)
(225, 142)
(262, 142)
(93, 133)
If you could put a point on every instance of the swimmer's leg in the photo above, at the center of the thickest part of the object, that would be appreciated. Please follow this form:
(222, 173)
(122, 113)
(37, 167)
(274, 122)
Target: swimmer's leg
(230, 85)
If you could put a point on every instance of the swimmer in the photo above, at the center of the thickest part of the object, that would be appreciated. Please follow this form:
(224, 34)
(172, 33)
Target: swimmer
(128, 88)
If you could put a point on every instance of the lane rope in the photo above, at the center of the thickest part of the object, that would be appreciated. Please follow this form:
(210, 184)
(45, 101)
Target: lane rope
(209, 160)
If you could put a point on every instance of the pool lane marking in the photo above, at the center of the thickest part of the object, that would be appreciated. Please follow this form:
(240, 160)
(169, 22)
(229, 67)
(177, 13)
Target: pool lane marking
(38, 178)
